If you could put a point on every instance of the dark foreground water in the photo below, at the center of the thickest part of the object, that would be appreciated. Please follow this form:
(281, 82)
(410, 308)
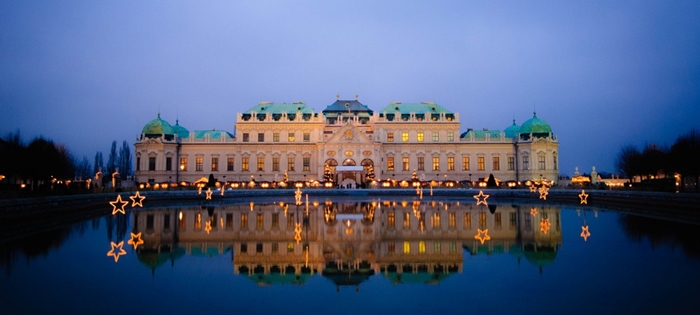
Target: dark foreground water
(356, 256)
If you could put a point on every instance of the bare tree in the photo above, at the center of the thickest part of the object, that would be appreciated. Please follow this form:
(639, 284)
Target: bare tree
(628, 161)
(685, 157)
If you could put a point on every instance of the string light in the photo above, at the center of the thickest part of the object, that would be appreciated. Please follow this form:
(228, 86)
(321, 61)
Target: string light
(208, 194)
(479, 199)
(584, 197)
(545, 225)
(543, 192)
(207, 227)
(121, 207)
(533, 211)
(297, 233)
(585, 233)
(482, 235)
(138, 196)
(118, 253)
(135, 240)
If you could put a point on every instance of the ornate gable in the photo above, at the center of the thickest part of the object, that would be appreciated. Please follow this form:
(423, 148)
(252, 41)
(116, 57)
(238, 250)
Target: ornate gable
(349, 134)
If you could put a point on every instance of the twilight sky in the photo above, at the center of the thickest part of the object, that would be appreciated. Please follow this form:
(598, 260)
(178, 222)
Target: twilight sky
(602, 73)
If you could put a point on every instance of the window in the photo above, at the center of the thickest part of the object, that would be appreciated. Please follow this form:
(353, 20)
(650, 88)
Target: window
(555, 161)
(290, 137)
(421, 163)
(513, 218)
(482, 219)
(244, 248)
(244, 164)
(511, 163)
(275, 247)
(275, 220)
(290, 220)
(199, 164)
(261, 137)
(450, 163)
(465, 163)
(450, 136)
(244, 220)
(436, 247)
(151, 163)
(406, 220)
(138, 163)
(496, 163)
(245, 137)
(259, 248)
(467, 220)
(290, 164)
(420, 136)
(275, 137)
(290, 247)
(149, 221)
(390, 163)
(307, 137)
(183, 164)
(453, 247)
(168, 163)
(497, 220)
(198, 221)
(275, 164)
(182, 221)
(229, 164)
(436, 137)
(406, 247)
(259, 219)
(390, 137)
(526, 162)
(436, 163)
(214, 164)
(541, 162)
(261, 163)
(229, 220)
(435, 220)
(480, 163)
(392, 248)
(391, 219)
(404, 161)
(307, 164)
(421, 247)
(404, 136)
(452, 218)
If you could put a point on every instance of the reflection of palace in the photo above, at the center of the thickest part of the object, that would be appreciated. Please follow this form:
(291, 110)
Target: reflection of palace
(408, 242)
(349, 143)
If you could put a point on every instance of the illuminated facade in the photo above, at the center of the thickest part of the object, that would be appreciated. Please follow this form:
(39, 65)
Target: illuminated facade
(349, 142)
(405, 241)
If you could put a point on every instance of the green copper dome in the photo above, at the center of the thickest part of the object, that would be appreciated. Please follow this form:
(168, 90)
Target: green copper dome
(535, 126)
(512, 130)
(181, 131)
(158, 127)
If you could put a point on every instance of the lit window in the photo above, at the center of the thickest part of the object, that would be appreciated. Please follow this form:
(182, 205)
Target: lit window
(290, 164)
(436, 137)
(390, 137)
(183, 164)
(436, 163)
(261, 163)
(198, 221)
(214, 164)
(259, 221)
(421, 163)
(244, 220)
(496, 163)
(290, 137)
(404, 161)
(390, 163)
(450, 163)
(307, 164)
(406, 220)
(420, 136)
(290, 247)
(404, 136)
(275, 164)
(453, 219)
(480, 163)
(199, 164)
(182, 221)
(436, 247)
(421, 247)
(435, 220)
(406, 247)
(276, 137)
(467, 220)
(391, 219)
(244, 164)
(465, 163)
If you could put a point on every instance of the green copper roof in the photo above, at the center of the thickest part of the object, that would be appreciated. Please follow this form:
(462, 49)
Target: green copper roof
(157, 127)
(346, 105)
(481, 134)
(181, 131)
(212, 134)
(512, 130)
(422, 108)
(274, 108)
(535, 125)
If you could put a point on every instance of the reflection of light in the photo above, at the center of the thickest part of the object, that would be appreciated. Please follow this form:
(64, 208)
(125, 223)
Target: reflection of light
(543, 192)
(114, 254)
(545, 225)
(533, 211)
(207, 227)
(121, 207)
(479, 199)
(208, 194)
(482, 235)
(533, 188)
(584, 197)
(199, 190)
(135, 203)
(297, 233)
(252, 204)
(180, 215)
(584, 233)
(135, 240)
(297, 196)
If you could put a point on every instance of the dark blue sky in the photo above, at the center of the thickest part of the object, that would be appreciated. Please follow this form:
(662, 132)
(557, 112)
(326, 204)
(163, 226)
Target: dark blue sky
(602, 73)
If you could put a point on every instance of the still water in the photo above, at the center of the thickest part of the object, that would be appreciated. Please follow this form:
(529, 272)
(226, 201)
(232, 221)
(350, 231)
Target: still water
(349, 256)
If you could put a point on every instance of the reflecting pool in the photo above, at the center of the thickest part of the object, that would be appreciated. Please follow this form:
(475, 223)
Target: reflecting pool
(345, 255)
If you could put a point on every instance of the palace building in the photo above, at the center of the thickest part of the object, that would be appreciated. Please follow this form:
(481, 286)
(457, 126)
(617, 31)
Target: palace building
(346, 143)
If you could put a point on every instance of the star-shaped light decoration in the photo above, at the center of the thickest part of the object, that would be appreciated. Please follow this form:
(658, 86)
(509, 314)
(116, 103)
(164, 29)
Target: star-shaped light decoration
(297, 233)
(543, 192)
(481, 198)
(121, 203)
(118, 253)
(482, 235)
(297, 196)
(135, 240)
(585, 233)
(584, 197)
(207, 227)
(533, 188)
(533, 211)
(545, 225)
(140, 198)
(208, 194)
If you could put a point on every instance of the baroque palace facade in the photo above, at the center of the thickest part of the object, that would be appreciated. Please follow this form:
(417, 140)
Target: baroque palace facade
(348, 143)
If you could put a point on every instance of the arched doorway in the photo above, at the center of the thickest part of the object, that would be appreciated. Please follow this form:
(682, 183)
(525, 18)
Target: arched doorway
(349, 177)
